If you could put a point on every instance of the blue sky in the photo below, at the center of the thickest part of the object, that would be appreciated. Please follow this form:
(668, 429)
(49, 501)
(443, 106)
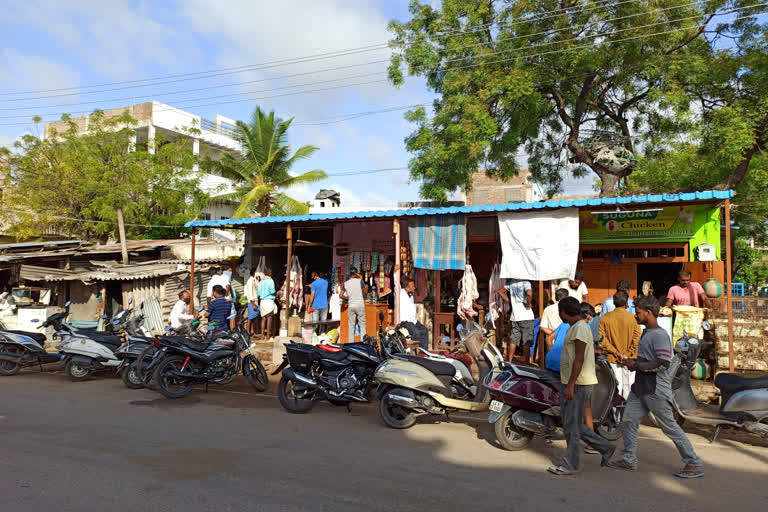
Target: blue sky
(51, 44)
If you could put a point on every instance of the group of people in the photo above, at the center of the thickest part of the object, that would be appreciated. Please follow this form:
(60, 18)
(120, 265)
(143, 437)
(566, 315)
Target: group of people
(638, 350)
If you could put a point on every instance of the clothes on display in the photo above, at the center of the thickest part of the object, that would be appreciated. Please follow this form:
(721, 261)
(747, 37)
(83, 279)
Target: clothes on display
(539, 246)
(465, 307)
(438, 242)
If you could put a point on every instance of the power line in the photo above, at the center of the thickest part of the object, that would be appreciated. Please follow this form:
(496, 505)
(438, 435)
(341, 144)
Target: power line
(320, 56)
(61, 217)
(526, 36)
(610, 42)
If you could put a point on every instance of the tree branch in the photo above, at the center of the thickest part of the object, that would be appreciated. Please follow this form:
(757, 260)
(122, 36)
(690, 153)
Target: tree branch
(738, 175)
(688, 41)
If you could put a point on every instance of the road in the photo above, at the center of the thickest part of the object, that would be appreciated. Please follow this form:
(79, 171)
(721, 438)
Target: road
(96, 446)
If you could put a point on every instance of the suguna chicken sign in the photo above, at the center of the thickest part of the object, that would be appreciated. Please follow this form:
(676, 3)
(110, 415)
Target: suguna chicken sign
(670, 223)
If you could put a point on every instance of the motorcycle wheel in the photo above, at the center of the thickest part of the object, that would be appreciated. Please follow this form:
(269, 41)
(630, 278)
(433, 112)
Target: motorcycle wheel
(395, 416)
(168, 385)
(285, 393)
(8, 368)
(76, 372)
(131, 378)
(144, 358)
(510, 436)
(257, 374)
(611, 429)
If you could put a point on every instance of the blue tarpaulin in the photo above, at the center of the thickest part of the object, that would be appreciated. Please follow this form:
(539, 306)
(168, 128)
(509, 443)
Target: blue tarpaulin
(438, 242)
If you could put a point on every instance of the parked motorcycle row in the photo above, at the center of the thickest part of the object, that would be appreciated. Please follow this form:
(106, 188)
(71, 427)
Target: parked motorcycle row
(522, 401)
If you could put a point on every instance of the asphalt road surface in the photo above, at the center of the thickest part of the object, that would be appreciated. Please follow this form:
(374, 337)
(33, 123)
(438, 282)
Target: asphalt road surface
(97, 446)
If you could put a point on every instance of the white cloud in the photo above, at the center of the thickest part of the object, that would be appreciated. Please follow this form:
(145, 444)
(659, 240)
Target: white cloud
(25, 72)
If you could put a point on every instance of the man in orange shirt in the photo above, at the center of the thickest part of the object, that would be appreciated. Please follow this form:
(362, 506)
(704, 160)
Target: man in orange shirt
(620, 334)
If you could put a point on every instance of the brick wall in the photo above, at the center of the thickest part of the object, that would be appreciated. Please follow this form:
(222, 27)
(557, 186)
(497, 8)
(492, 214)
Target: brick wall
(140, 112)
(487, 190)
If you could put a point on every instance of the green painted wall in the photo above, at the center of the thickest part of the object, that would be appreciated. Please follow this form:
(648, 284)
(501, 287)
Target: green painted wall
(706, 229)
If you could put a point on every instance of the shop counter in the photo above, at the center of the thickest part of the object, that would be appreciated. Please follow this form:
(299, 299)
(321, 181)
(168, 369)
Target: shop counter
(371, 320)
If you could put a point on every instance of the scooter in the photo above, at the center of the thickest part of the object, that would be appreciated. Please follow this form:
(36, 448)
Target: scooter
(137, 340)
(526, 402)
(19, 349)
(83, 354)
(411, 386)
(743, 402)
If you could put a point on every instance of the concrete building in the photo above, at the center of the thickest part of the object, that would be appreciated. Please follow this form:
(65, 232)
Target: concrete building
(487, 190)
(159, 120)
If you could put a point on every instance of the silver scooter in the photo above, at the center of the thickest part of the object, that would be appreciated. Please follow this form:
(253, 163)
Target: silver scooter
(743, 402)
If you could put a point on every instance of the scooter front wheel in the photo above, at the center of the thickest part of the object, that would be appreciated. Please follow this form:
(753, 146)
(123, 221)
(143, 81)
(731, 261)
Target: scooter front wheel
(510, 436)
(131, 378)
(76, 372)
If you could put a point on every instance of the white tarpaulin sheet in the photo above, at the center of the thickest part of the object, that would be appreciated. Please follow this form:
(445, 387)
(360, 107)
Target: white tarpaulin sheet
(539, 246)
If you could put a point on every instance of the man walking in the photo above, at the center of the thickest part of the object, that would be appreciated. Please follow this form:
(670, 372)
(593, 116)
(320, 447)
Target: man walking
(652, 392)
(318, 301)
(620, 335)
(577, 377)
(353, 292)
(519, 295)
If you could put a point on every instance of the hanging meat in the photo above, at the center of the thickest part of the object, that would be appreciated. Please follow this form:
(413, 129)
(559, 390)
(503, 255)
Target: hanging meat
(465, 307)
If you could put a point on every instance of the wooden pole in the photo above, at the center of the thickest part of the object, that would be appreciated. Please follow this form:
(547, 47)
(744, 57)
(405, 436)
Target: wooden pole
(396, 277)
(541, 349)
(289, 238)
(729, 282)
(192, 306)
(121, 229)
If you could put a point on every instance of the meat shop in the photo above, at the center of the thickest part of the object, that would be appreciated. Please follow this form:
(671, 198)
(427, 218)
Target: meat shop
(454, 259)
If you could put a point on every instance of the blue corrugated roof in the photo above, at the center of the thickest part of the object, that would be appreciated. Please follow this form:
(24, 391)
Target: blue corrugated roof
(709, 195)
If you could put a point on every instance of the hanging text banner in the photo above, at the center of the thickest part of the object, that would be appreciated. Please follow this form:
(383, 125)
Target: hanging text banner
(670, 223)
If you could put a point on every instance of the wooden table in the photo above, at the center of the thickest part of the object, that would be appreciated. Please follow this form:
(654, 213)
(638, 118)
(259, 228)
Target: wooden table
(371, 320)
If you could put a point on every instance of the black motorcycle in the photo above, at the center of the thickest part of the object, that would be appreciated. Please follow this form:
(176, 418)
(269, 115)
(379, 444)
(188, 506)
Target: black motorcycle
(184, 362)
(342, 374)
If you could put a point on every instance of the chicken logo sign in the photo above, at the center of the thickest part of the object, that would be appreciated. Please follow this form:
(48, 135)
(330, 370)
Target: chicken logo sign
(671, 223)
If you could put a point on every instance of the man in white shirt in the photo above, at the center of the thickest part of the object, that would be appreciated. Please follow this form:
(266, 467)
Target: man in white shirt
(576, 287)
(550, 319)
(519, 294)
(408, 318)
(217, 278)
(180, 311)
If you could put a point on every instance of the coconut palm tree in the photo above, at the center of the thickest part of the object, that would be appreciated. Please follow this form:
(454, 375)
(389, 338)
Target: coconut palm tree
(261, 169)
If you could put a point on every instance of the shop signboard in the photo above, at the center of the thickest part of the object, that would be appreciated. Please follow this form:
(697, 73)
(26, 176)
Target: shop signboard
(647, 225)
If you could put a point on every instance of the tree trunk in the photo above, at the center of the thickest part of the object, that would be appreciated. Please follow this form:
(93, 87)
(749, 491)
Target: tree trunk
(608, 183)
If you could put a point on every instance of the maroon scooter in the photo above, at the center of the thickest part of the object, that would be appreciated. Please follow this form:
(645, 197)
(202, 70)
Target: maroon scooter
(526, 402)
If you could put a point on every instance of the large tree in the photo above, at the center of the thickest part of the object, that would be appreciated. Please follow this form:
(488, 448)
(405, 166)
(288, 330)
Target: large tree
(261, 170)
(73, 183)
(577, 85)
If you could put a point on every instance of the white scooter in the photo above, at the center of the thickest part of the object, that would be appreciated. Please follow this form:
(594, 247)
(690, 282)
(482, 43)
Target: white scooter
(19, 349)
(83, 353)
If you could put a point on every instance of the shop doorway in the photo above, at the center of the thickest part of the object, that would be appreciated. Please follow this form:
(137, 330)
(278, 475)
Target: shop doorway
(662, 277)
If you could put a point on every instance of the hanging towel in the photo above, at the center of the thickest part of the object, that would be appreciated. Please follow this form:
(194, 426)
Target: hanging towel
(539, 246)
(438, 242)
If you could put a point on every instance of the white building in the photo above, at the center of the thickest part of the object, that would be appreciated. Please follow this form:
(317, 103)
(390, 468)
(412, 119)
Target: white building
(157, 119)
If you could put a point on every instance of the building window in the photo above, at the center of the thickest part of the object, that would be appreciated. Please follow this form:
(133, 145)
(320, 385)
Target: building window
(480, 196)
(322, 204)
(512, 195)
(207, 216)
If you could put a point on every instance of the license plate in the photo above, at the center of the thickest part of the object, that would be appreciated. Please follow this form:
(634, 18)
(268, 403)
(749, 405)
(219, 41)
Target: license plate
(496, 405)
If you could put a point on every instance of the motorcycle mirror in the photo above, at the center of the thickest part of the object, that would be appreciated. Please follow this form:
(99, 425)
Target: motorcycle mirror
(130, 301)
(67, 304)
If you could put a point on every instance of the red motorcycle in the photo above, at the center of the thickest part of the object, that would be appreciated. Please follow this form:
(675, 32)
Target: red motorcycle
(526, 402)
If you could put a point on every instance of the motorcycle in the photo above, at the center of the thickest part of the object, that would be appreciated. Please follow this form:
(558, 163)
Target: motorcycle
(743, 402)
(186, 362)
(20, 349)
(136, 342)
(83, 353)
(526, 402)
(410, 386)
(341, 374)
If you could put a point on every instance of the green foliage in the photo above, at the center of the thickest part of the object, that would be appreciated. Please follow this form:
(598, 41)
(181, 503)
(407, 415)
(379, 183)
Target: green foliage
(748, 266)
(580, 86)
(261, 171)
(73, 183)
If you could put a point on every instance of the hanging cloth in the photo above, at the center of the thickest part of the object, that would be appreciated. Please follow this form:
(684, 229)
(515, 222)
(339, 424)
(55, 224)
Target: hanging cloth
(465, 306)
(539, 246)
(438, 242)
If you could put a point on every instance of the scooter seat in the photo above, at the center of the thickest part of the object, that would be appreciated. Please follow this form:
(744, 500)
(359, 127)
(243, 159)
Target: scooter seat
(546, 376)
(105, 339)
(732, 382)
(436, 367)
(37, 336)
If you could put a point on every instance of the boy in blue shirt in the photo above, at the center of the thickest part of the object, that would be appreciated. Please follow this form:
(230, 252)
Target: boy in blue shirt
(219, 309)
(318, 300)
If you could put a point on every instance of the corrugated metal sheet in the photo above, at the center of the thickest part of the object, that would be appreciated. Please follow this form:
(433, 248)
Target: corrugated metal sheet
(711, 195)
(120, 273)
(153, 315)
